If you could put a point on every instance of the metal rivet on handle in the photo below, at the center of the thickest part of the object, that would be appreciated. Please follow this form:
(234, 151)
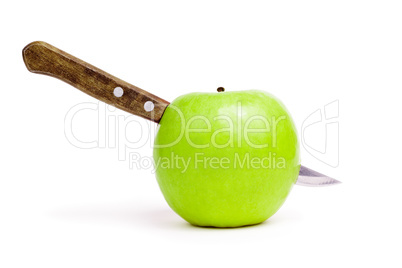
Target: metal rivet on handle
(118, 92)
(149, 106)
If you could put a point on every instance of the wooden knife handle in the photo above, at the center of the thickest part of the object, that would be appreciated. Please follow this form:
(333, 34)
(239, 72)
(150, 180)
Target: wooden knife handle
(42, 58)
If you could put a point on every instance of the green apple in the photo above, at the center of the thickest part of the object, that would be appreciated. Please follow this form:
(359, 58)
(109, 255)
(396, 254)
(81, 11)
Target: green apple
(226, 159)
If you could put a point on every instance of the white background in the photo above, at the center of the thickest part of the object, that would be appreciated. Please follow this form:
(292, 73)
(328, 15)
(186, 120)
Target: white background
(62, 206)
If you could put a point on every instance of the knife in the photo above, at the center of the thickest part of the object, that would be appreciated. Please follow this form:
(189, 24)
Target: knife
(40, 57)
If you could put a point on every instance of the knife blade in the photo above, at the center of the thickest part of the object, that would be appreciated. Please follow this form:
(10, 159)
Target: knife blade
(309, 177)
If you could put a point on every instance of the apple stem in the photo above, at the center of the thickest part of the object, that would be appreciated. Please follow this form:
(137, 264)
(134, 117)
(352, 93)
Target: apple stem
(221, 89)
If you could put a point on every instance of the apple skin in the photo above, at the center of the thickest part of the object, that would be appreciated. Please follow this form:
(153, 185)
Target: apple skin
(226, 195)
